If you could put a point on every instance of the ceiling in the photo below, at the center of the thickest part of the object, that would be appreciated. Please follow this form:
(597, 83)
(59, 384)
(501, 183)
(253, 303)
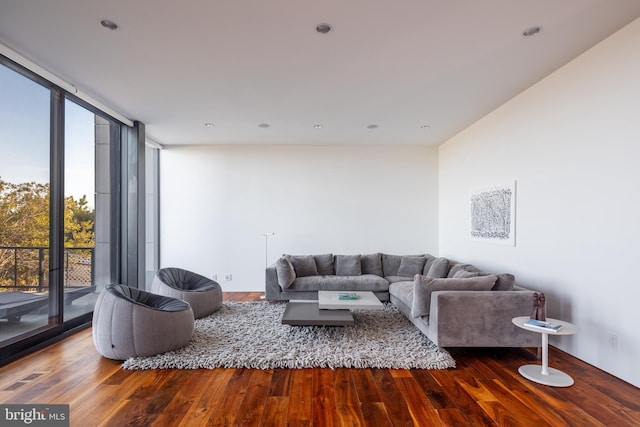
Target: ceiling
(421, 70)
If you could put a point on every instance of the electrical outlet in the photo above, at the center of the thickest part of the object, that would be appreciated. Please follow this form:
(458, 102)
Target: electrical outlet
(614, 343)
(228, 277)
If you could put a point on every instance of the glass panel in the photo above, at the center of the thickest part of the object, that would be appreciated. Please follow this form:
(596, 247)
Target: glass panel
(24, 204)
(151, 214)
(80, 206)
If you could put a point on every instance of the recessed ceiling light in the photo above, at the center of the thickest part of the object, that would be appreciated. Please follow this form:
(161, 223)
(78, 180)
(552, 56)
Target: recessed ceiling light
(323, 28)
(109, 24)
(264, 125)
(209, 125)
(372, 126)
(317, 126)
(531, 31)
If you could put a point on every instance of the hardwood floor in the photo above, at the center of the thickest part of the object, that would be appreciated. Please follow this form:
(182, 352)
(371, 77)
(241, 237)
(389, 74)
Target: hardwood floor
(484, 390)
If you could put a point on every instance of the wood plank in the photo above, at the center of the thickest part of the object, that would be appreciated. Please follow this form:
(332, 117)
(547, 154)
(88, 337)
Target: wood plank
(275, 411)
(507, 409)
(280, 382)
(366, 386)
(375, 414)
(300, 409)
(253, 404)
(323, 398)
(420, 409)
(392, 398)
(465, 402)
(453, 417)
(432, 390)
(347, 402)
(219, 403)
(193, 386)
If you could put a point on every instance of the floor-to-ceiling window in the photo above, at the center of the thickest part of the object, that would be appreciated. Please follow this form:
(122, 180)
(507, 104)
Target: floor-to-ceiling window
(87, 169)
(25, 122)
(61, 207)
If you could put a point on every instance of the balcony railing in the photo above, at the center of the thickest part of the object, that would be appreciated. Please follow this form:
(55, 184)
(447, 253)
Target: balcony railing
(27, 268)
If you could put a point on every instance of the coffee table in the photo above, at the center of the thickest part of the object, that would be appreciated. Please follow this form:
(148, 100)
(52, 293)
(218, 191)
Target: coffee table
(329, 310)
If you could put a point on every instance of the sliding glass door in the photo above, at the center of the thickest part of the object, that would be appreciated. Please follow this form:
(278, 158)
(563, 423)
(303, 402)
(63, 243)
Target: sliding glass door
(62, 208)
(25, 122)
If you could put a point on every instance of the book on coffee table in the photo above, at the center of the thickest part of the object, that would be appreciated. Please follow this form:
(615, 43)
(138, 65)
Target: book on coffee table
(347, 296)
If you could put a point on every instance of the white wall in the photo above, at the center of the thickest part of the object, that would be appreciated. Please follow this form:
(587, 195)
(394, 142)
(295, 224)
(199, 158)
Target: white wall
(216, 200)
(572, 143)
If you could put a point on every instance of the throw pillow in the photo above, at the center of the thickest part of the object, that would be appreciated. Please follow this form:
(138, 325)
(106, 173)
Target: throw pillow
(410, 266)
(505, 282)
(455, 268)
(427, 265)
(286, 273)
(390, 264)
(324, 263)
(424, 286)
(462, 274)
(348, 265)
(372, 264)
(439, 268)
(304, 265)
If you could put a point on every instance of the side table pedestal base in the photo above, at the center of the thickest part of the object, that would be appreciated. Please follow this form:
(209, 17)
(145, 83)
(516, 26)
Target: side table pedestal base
(554, 378)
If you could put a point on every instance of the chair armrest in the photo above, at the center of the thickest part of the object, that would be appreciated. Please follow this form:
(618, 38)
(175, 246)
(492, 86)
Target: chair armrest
(480, 319)
(272, 288)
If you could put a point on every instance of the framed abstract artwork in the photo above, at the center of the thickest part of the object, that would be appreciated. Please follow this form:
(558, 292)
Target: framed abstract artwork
(493, 214)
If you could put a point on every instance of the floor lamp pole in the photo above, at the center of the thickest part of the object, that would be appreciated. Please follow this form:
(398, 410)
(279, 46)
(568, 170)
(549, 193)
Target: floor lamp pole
(266, 247)
(266, 252)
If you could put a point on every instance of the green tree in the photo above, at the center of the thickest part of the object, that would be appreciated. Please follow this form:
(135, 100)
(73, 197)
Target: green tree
(78, 223)
(24, 214)
(24, 223)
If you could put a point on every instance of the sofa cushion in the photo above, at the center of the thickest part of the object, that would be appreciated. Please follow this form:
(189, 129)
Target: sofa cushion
(391, 264)
(348, 265)
(372, 264)
(410, 266)
(463, 274)
(304, 265)
(424, 286)
(505, 282)
(365, 282)
(428, 262)
(324, 263)
(394, 279)
(457, 267)
(402, 291)
(286, 273)
(438, 268)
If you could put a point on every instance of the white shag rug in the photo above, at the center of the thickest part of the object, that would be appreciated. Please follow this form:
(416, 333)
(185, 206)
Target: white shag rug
(251, 335)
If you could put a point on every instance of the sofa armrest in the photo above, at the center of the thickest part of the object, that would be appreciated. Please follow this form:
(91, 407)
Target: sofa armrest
(480, 319)
(272, 288)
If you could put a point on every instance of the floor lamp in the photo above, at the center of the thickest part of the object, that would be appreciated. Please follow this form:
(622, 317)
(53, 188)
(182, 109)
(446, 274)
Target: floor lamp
(266, 251)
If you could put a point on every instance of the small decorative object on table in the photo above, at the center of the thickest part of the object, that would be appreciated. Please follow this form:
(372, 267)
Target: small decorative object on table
(539, 302)
(348, 296)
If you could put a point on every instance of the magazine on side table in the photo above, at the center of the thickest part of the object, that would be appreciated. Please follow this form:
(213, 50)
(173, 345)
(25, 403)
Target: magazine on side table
(540, 324)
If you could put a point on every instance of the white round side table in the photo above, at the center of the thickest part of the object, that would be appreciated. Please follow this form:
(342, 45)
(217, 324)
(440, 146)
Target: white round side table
(544, 374)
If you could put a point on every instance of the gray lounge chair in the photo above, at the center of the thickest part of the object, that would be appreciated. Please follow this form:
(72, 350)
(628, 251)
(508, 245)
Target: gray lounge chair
(204, 295)
(129, 322)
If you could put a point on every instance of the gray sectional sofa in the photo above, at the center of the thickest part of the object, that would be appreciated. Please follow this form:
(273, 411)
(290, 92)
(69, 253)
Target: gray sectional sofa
(453, 304)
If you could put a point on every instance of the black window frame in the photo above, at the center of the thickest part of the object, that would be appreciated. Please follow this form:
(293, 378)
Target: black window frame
(126, 210)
